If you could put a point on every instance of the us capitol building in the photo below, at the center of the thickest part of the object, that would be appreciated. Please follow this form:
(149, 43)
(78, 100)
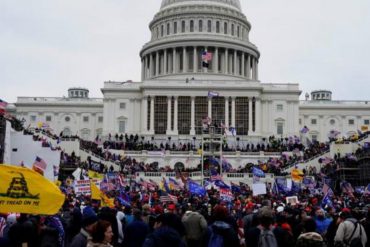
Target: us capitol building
(172, 97)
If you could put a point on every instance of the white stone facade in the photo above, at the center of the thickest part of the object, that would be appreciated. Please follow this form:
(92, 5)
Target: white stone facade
(171, 98)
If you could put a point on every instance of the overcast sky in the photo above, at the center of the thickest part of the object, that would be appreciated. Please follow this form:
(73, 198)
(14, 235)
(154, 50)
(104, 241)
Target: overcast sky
(47, 46)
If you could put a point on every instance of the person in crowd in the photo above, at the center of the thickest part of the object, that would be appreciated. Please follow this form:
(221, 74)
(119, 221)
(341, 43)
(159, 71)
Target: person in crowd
(195, 226)
(89, 218)
(101, 235)
(262, 235)
(349, 230)
(220, 233)
(310, 238)
(164, 234)
(136, 231)
(322, 222)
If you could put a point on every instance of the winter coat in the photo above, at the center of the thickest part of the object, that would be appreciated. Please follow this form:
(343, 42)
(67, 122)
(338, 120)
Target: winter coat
(345, 230)
(195, 225)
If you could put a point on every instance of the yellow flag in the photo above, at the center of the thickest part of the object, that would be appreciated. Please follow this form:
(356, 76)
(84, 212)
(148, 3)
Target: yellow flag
(97, 194)
(23, 190)
(297, 175)
(94, 174)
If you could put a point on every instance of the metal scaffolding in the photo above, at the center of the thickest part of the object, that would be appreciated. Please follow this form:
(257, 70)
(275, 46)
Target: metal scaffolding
(212, 138)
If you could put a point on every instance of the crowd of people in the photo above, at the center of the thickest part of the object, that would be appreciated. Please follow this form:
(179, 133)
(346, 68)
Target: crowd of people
(142, 218)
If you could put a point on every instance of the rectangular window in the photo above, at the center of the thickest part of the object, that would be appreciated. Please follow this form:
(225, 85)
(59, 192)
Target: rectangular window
(279, 107)
(122, 106)
(313, 121)
(175, 27)
(232, 30)
(201, 111)
(280, 128)
(351, 121)
(217, 27)
(238, 31)
(100, 119)
(225, 28)
(162, 30)
(209, 26)
(122, 126)
(184, 115)
(242, 116)
(86, 119)
(48, 118)
(183, 26)
(168, 29)
(33, 118)
(366, 121)
(160, 115)
(200, 27)
(191, 26)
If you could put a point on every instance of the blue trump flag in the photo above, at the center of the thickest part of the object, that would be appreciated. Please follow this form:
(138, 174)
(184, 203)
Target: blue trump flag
(258, 172)
(195, 188)
(221, 184)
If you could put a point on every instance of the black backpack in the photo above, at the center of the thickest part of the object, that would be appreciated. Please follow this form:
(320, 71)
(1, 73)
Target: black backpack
(357, 241)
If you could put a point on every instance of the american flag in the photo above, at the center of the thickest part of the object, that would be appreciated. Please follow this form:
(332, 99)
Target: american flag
(39, 164)
(206, 56)
(3, 105)
(168, 198)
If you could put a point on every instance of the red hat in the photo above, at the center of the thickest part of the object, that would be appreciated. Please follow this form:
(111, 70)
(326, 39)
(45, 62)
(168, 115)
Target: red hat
(346, 210)
(171, 207)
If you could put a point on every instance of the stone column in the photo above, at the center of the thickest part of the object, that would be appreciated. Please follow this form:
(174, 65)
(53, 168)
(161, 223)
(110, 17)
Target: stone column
(151, 130)
(144, 114)
(192, 117)
(157, 64)
(151, 67)
(227, 112)
(226, 68)
(243, 65)
(195, 59)
(256, 69)
(175, 121)
(168, 131)
(253, 69)
(210, 107)
(248, 74)
(142, 68)
(184, 60)
(235, 67)
(215, 61)
(233, 112)
(258, 116)
(165, 62)
(250, 116)
(174, 64)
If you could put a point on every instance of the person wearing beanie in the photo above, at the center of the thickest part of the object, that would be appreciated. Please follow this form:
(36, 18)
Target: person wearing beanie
(89, 218)
(195, 225)
(349, 228)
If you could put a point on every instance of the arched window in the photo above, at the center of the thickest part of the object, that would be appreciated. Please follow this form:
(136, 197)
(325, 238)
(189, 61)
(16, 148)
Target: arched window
(232, 30)
(175, 27)
(225, 28)
(168, 29)
(191, 26)
(209, 26)
(179, 166)
(67, 132)
(183, 26)
(217, 27)
(200, 26)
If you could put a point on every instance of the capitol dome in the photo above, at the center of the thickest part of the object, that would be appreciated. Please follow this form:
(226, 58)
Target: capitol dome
(230, 3)
(183, 30)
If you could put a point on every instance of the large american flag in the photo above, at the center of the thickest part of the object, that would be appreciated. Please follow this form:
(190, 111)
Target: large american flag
(206, 56)
(168, 198)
